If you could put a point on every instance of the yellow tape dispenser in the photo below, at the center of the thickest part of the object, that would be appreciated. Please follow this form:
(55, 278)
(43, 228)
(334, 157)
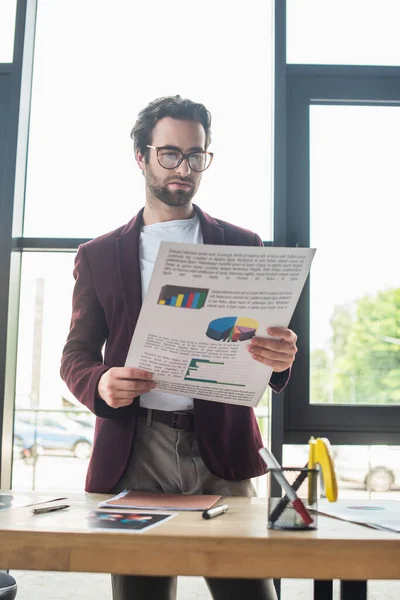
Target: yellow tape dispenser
(320, 453)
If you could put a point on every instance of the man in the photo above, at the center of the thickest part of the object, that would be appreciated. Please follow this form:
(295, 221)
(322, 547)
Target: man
(145, 440)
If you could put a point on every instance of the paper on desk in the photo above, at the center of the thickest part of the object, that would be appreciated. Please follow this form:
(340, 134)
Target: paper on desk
(379, 514)
(203, 305)
(154, 501)
(10, 500)
(134, 522)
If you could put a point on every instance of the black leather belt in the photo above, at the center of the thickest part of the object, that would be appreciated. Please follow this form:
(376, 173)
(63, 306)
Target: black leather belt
(182, 421)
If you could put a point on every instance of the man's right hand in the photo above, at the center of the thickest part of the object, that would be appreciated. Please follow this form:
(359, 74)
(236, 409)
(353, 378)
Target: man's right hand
(120, 385)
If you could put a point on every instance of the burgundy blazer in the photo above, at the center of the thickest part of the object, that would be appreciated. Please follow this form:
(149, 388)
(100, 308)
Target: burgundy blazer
(106, 303)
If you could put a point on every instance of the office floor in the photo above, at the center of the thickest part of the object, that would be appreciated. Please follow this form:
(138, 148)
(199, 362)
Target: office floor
(84, 586)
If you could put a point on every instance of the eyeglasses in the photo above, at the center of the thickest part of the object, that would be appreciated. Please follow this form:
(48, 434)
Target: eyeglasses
(170, 158)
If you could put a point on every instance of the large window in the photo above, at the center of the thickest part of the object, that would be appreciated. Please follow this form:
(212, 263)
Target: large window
(343, 32)
(46, 292)
(342, 158)
(82, 179)
(355, 284)
(343, 103)
(97, 64)
(336, 141)
(7, 30)
(53, 434)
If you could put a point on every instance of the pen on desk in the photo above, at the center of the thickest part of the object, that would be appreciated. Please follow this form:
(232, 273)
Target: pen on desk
(47, 509)
(276, 470)
(214, 512)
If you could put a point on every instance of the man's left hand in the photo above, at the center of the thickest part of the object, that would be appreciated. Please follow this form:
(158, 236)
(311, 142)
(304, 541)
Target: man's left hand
(277, 353)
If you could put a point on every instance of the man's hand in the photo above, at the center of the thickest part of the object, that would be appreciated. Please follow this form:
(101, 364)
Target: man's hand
(120, 385)
(278, 354)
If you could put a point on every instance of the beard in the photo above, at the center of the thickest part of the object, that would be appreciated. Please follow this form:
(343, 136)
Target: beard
(162, 192)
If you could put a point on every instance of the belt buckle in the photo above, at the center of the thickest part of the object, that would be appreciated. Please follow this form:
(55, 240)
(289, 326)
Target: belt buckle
(175, 416)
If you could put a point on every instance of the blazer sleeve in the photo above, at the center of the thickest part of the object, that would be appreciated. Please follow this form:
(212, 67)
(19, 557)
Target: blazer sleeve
(82, 360)
(278, 381)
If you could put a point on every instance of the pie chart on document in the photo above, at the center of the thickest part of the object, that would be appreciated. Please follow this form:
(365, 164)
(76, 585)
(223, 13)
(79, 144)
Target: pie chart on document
(232, 329)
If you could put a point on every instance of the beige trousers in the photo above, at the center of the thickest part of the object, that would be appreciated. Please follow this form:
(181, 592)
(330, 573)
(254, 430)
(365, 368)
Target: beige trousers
(168, 461)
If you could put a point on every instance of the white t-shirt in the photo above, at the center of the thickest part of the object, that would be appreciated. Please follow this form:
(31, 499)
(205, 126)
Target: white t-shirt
(182, 230)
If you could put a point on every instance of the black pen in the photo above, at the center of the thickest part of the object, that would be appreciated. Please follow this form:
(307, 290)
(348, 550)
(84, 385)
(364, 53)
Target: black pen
(214, 512)
(47, 509)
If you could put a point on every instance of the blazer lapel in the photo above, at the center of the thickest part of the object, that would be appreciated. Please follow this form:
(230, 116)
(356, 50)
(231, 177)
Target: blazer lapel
(212, 232)
(129, 261)
(129, 269)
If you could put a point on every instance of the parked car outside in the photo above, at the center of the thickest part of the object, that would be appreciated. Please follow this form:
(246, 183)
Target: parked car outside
(51, 434)
(83, 420)
(377, 468)
(18, 450)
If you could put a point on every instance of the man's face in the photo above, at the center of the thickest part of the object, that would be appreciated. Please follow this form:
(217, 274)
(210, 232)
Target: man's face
(174, 187)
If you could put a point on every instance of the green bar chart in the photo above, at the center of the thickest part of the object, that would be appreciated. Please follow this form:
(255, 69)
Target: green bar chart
(208, 371)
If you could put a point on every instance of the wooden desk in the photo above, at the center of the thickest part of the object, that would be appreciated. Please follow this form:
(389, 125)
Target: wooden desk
(237, 544)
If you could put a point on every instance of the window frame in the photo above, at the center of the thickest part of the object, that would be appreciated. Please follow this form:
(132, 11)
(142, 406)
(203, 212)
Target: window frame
(15, 85)
(330, 85)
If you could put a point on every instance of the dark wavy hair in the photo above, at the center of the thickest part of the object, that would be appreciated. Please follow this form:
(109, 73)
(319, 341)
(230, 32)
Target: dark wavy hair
(168, 106)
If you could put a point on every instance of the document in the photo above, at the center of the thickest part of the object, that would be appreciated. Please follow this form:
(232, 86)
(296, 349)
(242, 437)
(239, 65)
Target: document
(203, 306)
(378, 514)
(17, 500)
(154, 501)
(135, 522)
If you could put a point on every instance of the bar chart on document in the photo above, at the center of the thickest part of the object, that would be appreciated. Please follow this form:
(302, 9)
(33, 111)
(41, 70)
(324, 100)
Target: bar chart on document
(208, 371)
(182, 297)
